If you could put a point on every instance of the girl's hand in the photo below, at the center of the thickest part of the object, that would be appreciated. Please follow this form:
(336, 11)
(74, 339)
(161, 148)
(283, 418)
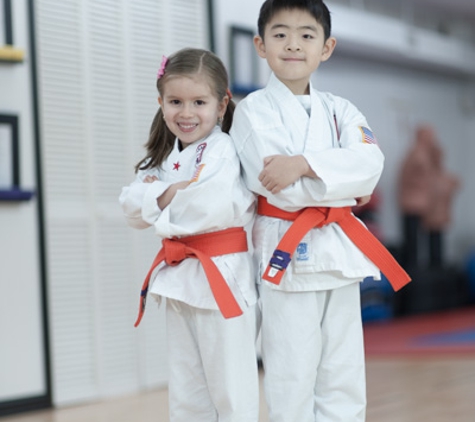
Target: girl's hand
(181, 185)
(169, 194)
(150, 179)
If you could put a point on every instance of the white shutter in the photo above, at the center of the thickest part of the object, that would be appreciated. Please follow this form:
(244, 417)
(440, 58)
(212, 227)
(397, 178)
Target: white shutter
(97, 68)
(68, 224)
(184, 27)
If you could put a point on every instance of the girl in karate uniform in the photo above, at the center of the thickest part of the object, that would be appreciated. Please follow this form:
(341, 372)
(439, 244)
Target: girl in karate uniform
(188, 187)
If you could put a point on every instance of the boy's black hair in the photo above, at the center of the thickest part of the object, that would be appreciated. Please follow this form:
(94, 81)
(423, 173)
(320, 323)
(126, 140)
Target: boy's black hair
(316, 8)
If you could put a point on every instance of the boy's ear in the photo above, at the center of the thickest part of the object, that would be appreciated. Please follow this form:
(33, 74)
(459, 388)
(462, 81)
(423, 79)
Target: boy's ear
(328, 48)
(260, 46)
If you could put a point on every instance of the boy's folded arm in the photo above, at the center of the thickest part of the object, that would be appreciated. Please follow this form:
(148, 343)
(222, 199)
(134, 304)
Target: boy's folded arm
(334, 177)
(353, 169)
(254, 148)
(348, 172)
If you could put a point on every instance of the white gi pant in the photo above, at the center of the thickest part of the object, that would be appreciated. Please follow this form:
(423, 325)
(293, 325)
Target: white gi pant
(313, 355)
(213, 374)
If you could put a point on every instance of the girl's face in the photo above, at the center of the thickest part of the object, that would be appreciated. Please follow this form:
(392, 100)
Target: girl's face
(190, 107)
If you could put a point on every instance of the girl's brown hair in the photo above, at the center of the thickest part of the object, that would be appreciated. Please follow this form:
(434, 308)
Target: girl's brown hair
(186, 62)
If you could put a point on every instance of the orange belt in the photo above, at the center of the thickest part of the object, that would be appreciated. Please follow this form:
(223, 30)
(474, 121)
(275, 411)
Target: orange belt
(202, 247)
(314, 217)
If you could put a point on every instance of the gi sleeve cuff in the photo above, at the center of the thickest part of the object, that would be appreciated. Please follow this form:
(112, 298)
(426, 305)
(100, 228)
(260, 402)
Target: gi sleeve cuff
(150, 208)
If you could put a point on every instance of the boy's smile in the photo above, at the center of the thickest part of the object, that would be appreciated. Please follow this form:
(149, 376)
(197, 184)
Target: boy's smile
(294, 47)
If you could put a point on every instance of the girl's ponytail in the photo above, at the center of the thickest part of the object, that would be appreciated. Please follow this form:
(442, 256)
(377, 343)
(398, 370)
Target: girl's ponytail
(159, 145)
(228, 117)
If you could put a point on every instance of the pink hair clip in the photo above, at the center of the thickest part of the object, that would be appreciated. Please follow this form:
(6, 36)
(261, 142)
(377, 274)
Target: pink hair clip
(161, 71)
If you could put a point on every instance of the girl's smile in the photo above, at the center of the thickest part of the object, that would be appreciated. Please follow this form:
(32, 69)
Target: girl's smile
(187, 128)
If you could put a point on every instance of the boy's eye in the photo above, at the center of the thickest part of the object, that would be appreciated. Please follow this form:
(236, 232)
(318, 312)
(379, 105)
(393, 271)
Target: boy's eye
(280, 35)
(308, 36)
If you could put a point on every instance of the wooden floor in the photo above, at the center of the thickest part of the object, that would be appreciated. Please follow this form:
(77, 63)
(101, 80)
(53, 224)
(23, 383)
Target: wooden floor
(399, 390)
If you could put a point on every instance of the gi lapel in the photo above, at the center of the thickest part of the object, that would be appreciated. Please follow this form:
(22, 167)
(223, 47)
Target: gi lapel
(309, 134)
(320, 133)
(294, 117)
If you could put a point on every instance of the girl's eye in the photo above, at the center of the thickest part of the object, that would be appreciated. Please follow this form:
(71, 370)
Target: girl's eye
(175, 102)
(200, 102)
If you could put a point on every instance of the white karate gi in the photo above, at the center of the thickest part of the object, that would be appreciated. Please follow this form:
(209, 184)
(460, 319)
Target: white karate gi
(305, 351)
(213, 371)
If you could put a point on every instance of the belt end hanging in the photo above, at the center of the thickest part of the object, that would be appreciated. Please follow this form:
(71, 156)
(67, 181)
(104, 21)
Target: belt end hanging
(398, 278)
(143, 297)
(232, 312)
(277, 266)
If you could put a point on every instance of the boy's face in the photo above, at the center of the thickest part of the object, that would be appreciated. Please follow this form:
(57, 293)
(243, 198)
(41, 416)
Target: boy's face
(294, 46)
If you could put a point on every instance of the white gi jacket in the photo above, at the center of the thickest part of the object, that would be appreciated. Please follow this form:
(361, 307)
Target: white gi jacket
(273, 121)
(217, 200)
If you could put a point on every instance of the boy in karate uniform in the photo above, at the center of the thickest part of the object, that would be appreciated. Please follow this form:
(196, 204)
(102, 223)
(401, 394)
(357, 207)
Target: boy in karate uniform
(304, 150)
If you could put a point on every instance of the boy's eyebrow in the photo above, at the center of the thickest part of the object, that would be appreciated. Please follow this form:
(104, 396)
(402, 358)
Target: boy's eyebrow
(283, 26)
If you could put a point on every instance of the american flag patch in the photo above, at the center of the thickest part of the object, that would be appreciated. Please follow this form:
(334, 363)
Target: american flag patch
(196, 174)
(367, 135)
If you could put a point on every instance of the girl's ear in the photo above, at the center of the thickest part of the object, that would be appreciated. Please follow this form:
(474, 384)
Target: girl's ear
(160, 101)
(223, 105)
(328, 48)
(260, 46)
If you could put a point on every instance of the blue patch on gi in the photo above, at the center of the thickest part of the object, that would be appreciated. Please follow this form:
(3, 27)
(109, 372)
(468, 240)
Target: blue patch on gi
(302, 252)
(280, 260)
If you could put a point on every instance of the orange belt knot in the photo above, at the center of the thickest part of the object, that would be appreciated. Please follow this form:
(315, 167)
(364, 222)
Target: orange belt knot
(202, 247)
(316, 217)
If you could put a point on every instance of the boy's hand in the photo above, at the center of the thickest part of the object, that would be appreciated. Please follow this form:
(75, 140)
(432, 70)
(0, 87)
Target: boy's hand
(281, 171)
(363, 200)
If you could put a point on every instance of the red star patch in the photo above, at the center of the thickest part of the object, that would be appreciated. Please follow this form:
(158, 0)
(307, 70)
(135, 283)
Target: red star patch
(176, 166)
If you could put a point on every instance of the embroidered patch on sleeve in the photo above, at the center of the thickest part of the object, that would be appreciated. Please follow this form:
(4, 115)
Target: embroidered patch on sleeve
(196, 174)
(367, 136)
